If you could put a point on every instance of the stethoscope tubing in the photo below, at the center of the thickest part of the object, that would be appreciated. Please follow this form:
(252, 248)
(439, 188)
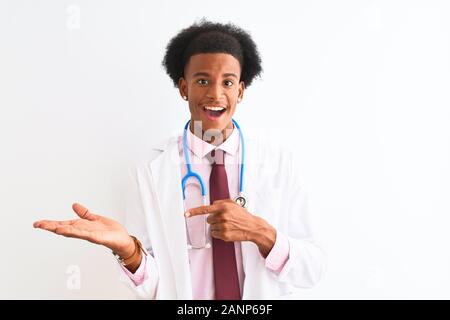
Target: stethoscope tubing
(192, 174)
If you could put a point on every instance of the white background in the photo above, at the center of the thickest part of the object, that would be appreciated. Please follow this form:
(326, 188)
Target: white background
(360, 90)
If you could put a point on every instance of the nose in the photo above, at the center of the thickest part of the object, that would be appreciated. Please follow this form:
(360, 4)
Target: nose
(214, 91)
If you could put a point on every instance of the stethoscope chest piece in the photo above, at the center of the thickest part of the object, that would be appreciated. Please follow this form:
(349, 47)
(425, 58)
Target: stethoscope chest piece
(240, 200)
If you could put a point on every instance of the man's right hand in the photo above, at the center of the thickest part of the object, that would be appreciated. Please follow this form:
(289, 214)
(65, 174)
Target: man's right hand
(94, 228)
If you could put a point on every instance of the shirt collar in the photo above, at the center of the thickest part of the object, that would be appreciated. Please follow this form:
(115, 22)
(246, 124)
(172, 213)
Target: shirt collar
(201, 148)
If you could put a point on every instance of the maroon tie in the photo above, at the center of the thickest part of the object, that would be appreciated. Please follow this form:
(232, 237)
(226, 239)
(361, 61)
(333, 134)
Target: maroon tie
(226, 279)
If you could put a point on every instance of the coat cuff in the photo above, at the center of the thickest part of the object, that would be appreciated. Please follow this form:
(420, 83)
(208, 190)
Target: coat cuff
(279, 254)
(139, 276)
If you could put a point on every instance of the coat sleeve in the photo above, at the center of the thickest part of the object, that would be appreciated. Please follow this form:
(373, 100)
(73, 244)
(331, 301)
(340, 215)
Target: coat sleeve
(306, 262)
(136, 224)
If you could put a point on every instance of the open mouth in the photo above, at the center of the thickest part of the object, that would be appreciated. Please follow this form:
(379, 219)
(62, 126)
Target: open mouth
(214, 112)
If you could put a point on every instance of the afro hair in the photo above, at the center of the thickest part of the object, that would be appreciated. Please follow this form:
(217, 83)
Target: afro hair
(209, 37)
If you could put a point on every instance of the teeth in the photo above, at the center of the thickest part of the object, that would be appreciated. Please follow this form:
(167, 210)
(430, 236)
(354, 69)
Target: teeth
(214, 108)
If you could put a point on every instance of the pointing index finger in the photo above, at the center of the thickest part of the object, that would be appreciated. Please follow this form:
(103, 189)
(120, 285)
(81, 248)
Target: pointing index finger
(202, 210)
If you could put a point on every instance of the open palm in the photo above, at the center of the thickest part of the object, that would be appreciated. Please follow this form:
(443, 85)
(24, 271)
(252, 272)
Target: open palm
(91, 227)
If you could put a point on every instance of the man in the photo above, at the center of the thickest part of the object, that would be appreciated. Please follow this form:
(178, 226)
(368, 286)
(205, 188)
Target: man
(218, 249)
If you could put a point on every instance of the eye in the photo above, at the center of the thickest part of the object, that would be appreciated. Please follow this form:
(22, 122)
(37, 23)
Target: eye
(202, 82)
(228, 83)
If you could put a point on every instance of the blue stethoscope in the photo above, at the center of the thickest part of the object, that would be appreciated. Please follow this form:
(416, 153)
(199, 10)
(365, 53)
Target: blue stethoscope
(240, 199)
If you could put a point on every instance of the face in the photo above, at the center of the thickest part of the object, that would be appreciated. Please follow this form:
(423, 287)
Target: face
(212, 86)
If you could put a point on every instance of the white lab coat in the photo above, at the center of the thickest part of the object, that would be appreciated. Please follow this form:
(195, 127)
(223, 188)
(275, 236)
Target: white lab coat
(271, 185)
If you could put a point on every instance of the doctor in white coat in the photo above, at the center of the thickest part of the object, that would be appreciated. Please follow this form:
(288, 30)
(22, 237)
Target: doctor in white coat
(211, 64)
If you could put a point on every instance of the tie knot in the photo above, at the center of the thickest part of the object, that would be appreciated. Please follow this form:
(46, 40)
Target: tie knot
(217, 157)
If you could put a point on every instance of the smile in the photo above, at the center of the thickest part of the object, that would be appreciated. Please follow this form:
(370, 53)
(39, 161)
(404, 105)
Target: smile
(214, 112)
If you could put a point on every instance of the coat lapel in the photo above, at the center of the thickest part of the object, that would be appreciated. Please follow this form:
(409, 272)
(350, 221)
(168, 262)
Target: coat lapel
(167, 178)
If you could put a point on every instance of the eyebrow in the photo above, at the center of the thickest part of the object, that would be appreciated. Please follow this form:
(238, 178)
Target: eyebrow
(205, 74)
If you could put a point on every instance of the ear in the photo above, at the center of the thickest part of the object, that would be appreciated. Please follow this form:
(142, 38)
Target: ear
(241, 91)
(182, 87)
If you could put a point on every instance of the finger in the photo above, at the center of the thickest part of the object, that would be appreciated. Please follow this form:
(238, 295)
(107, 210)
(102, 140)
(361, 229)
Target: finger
(71, 232)
(83, 212)
(228, 235)
(203, 210)
(50, 225)
(215, 218)
(65, 228)
(220, 234)
(216, 234)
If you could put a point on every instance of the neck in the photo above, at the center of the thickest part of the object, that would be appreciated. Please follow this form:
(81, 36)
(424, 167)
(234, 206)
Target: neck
(213, 136)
